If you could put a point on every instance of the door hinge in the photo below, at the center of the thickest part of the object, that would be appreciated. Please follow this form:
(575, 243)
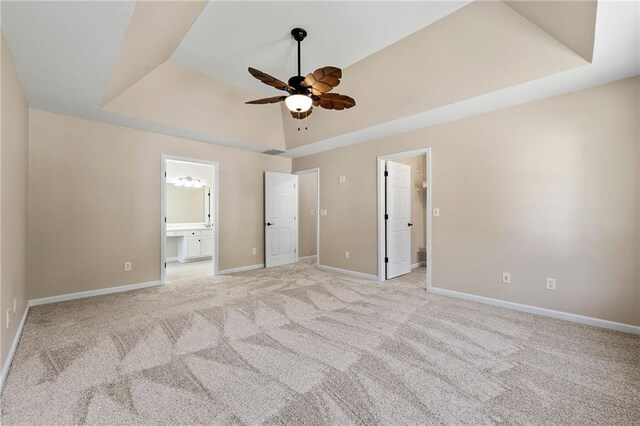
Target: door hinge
(295, 250)
(165, 219)
(386, 260)
(386, 173)
(386, 216)
(165, 264)
(165, 174)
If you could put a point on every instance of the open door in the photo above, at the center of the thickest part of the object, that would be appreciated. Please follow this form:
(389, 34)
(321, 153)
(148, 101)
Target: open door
(280, 211)
(398, 219)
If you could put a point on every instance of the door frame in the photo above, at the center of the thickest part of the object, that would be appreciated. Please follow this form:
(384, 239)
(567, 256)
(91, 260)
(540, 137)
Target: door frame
(163, 208)
(382, 198)
(315, 170)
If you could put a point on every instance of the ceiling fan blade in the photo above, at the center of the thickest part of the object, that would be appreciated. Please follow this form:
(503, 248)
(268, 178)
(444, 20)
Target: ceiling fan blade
(269, 80)
(271, 100)
(323, 80)
(301, 115)
(335, 101)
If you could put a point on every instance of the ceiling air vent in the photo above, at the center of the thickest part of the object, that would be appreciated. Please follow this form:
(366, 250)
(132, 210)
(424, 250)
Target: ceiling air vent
(273, 152)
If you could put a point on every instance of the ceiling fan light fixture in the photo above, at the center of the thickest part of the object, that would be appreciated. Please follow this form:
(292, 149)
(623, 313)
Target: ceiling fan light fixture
(298, 103)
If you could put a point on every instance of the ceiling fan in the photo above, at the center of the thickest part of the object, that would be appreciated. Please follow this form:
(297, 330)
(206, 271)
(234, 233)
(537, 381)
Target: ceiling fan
(305, 92)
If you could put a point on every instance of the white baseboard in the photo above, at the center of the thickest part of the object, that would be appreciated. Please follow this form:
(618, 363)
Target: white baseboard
(312, 257)
(172, 259)
(417, 265)
(241, 269)
(91, 293)
(14, 345)
(596, 322)
(348, 272)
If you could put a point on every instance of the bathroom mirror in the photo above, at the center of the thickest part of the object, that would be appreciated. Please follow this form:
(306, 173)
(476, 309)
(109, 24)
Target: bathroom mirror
(187, 205)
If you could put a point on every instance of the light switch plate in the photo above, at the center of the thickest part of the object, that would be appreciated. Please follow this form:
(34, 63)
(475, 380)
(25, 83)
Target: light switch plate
(436, 212)
(347, 255)
(506, 277)
(343, 179)
(323, 212)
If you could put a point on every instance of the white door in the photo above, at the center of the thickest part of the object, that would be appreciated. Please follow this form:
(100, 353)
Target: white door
(398, 182)
(281, 229)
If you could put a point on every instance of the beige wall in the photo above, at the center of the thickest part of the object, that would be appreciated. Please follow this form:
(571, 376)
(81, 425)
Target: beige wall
(13, 199)
(185, 205)
(418, 213)
(95, 203)
(545, 189)
(307, 214)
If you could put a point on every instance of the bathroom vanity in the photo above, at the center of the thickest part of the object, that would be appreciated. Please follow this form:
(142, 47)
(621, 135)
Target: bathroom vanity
(192, 241)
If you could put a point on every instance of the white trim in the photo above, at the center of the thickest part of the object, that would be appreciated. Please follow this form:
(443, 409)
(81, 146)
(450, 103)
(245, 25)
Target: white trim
(241, 269)
(348, 272)
(92, 293)
(308, 172)
(14, 345)
(596, 322)
(312, 257)
(172, 259)
(215, 173)
(381, 200)
(419, 264)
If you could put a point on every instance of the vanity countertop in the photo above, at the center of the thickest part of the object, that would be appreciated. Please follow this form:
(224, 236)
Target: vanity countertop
(187, 227)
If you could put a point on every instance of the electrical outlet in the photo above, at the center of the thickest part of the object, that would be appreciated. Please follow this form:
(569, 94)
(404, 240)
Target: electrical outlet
(254, 251)
(436, 212)
(347, 255)
(14, 304)
(550, 283)
(506, 277)
(8, 311)
(343, 179)
(128, 266)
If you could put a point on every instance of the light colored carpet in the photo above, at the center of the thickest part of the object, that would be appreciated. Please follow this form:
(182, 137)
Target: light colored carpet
(296, 345)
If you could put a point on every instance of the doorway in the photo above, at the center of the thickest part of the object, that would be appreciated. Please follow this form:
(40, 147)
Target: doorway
(404, 219)
(189, 218)
(309, 215)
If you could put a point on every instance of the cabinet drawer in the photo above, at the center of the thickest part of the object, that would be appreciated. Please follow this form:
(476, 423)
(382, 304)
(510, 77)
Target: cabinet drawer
(207, 233)
(175, 233)
(192, 233)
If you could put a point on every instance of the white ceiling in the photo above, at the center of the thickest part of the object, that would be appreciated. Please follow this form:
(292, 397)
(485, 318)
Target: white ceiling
(616, 56)
(65, 52)
(229, 37)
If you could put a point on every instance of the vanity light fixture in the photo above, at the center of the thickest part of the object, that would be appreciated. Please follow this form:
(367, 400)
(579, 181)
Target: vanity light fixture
(188, 182)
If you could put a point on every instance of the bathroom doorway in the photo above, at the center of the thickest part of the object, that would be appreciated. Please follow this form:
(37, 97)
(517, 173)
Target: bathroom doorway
(189, 219)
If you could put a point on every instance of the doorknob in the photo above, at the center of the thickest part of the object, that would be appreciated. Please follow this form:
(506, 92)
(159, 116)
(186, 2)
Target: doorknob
(269, 224)
(410, 224)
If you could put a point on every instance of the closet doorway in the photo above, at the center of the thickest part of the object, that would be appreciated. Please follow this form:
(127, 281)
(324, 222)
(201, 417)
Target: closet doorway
(404, 219)
(309, 215)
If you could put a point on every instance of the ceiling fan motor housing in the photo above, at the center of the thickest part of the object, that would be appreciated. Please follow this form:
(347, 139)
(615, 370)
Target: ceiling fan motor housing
(296, 83)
